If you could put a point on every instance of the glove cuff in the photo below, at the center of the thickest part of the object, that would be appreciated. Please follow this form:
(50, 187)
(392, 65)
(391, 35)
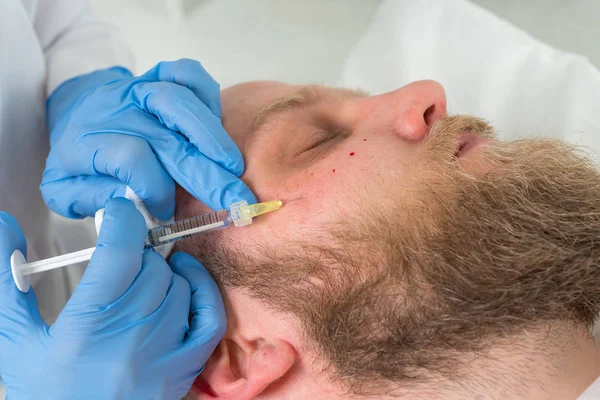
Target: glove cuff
(69, 91)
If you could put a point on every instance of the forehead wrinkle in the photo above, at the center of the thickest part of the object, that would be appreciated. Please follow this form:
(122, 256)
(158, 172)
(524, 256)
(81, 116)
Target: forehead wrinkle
(304, 97)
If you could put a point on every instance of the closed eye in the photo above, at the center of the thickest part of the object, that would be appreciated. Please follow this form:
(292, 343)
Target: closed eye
(322, 137)
(318, 142)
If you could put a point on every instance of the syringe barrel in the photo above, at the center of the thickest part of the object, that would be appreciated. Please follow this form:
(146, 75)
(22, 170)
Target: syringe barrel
(195, 225)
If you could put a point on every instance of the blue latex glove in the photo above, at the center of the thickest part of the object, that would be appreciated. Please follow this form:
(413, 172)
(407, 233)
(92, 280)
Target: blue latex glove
(109, 130)
(124, 334)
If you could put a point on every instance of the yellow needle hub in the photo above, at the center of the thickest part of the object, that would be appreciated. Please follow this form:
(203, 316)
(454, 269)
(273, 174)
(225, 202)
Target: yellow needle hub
(254, 210)
(242, 213)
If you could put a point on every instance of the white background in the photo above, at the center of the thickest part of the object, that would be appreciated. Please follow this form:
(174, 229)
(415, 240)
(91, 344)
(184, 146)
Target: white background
(306, 40)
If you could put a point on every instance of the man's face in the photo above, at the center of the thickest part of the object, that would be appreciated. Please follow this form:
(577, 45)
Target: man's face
(319, 149)
(447, 239)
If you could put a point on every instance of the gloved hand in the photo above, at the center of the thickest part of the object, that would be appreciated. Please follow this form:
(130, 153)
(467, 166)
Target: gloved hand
(110, 130)
(124, 334)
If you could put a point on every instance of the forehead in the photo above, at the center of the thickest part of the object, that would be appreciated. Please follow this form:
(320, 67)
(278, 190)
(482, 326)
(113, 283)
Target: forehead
(249, 97)
(242, 102)
(265, 90)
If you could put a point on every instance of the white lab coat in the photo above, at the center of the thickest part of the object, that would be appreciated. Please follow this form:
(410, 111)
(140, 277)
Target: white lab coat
(42, 44)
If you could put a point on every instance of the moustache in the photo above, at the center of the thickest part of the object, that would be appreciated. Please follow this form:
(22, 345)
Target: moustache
(444, 139)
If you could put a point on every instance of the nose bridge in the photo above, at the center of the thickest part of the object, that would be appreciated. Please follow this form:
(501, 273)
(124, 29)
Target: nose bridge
(413, 108)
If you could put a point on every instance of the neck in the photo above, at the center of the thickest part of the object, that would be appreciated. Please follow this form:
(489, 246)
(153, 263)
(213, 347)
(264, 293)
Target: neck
(555, 361)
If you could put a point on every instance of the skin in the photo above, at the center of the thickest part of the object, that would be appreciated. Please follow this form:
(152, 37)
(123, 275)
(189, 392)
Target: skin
(371, 141)
(329, 176)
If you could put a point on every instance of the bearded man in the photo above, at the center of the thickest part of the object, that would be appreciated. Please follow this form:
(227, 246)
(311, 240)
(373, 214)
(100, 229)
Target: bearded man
(415, 256)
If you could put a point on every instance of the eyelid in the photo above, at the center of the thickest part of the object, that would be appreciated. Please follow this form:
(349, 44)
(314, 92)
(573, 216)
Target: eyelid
(321, 137)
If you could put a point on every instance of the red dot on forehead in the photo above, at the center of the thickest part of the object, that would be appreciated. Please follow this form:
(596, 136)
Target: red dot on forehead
(333, 170)
(351, 154)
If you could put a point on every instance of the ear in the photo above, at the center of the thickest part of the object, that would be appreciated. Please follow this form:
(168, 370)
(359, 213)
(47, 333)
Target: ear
(241, 369)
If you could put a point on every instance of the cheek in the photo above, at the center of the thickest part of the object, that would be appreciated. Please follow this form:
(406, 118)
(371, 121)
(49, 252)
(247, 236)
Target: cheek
(335, 181)
(269, 185)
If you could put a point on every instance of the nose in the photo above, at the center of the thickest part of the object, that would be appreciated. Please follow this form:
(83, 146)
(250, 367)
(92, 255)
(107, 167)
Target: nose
(411, 110)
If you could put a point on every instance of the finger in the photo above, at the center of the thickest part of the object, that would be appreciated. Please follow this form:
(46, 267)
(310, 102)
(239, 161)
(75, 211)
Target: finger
(192, 75)
(148, 290)
(208, 324)
(207, 181)
(131, 160)
(169, 323)
(116, 261)
(179, 110)
(17, 310)
(147, 294)
(199, 175)
(80, 196)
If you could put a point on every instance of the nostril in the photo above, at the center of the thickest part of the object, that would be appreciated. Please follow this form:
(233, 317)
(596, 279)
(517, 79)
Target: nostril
(429, 116)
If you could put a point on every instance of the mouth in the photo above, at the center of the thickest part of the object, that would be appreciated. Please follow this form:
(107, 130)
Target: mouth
(466, 143)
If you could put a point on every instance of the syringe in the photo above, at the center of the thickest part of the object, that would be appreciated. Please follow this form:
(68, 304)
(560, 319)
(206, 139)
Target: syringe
(240, 214)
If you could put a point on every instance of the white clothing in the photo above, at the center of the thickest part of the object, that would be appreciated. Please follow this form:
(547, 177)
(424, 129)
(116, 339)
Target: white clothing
(42, 44)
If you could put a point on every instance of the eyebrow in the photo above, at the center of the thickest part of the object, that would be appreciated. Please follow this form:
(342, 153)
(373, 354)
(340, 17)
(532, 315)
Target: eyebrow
(305, 97)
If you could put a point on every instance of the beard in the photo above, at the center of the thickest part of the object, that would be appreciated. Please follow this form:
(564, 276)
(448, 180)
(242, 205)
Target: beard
(497, 252)
(516, 244)
(456, 263)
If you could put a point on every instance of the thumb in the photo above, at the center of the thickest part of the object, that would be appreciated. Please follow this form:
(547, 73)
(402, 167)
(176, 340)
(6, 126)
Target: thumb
(18, 311)
(116, 261)
(208, 321)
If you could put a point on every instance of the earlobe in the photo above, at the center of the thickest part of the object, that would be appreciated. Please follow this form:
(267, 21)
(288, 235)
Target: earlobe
(220, 377)
(243, 369)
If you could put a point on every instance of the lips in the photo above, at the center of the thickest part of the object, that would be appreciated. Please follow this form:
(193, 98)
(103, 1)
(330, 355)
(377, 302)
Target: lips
(466, 142)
